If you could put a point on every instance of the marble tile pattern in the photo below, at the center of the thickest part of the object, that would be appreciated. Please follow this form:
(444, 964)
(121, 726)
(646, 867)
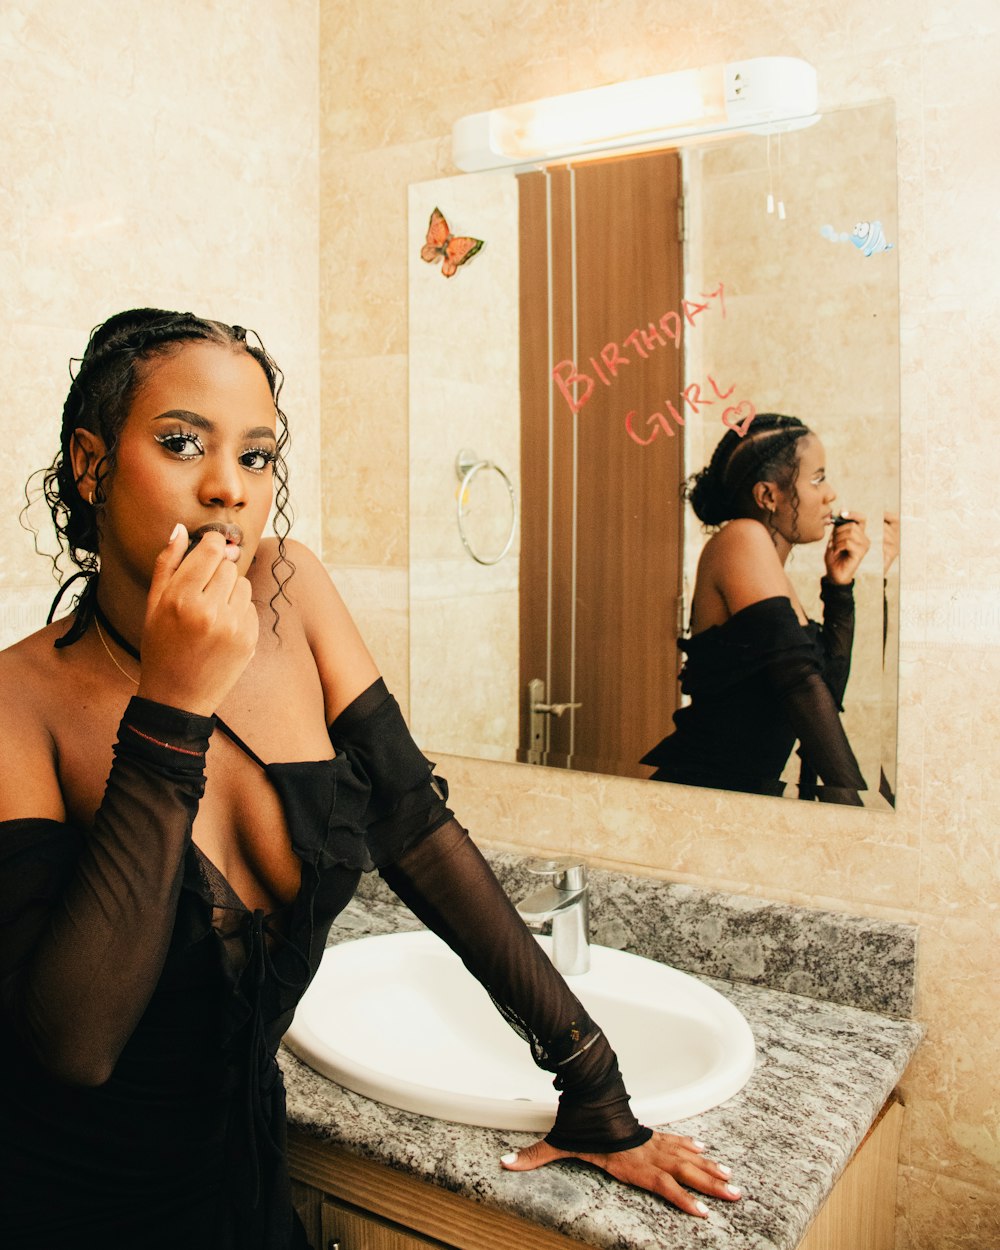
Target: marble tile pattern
(823, 1072)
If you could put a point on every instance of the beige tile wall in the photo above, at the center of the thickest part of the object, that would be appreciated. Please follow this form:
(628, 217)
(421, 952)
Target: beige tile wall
(151, 154)
(394, 76)
(464, 394)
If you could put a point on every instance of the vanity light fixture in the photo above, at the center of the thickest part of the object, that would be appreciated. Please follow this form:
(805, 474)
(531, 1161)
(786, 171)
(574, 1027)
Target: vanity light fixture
(767, 92)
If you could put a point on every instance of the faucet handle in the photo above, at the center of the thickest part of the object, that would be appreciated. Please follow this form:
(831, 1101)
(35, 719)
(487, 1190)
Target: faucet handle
(567, 872)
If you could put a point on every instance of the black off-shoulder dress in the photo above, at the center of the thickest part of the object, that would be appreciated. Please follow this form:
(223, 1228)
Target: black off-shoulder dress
(142, 1004)
(758, 683)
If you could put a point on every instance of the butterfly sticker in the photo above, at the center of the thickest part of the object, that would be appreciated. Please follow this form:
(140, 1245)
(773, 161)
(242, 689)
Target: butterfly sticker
(452, 250)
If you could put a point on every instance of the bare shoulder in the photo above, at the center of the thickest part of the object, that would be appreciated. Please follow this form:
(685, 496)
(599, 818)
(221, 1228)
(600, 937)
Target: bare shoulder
(300, 579)
(27, 679)
(741, 565)
(25, 672)
(345, 665)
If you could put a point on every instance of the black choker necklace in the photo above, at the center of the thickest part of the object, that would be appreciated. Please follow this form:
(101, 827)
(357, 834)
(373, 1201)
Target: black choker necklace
(113, 633)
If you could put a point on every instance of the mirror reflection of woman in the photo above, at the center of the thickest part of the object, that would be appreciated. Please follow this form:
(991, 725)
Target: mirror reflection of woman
(206, 761)
(759, 674)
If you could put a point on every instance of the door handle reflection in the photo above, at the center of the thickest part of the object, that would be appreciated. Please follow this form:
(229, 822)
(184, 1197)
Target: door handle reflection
(539, 722)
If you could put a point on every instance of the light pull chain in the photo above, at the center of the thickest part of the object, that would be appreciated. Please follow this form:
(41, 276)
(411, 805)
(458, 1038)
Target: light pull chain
(770, 182)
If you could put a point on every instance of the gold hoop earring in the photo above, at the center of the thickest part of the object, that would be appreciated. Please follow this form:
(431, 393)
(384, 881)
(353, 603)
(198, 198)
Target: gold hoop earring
(90, 498)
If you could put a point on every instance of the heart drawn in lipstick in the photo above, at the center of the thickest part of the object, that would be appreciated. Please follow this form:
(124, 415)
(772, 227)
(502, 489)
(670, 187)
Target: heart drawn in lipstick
(744, 413)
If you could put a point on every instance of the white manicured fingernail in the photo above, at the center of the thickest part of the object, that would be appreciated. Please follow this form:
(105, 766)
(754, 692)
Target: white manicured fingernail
(724, 1170)
(176, 532)
(698, 1145)
(509, 1157)
(731, 1189)
(701, 1208)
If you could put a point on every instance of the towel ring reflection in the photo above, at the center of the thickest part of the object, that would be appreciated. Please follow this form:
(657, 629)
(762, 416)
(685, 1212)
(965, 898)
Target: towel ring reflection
(467, 465)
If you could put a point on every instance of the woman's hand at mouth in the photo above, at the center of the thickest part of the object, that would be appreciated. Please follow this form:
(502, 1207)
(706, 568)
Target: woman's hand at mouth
(846, 549)
(201, 625)
(233, 535)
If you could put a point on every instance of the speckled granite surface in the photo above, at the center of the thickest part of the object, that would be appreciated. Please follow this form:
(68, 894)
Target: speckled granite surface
(856, 960)
(823, 1071)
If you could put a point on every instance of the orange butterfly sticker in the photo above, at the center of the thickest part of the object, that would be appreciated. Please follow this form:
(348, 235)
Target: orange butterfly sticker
(452, 250)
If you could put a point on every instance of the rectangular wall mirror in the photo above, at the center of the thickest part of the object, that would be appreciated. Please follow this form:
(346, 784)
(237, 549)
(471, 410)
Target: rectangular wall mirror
(578, 367)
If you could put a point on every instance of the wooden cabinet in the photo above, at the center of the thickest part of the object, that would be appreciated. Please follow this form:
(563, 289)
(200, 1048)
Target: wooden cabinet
(860, 1213)
(385, 1202)
(344, 1228)
(347, 1203)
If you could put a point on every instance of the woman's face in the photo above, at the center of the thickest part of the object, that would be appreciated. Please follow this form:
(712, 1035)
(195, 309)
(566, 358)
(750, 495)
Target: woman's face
(198, 447)
(805, 509)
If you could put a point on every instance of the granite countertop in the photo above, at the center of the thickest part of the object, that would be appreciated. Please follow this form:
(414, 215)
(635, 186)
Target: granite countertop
(825, 1067)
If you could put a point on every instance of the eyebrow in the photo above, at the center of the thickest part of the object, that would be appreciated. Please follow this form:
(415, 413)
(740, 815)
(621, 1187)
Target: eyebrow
(203, 423)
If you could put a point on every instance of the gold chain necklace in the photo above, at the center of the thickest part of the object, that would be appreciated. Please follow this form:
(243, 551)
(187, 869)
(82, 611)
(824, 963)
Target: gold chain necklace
(104, 644)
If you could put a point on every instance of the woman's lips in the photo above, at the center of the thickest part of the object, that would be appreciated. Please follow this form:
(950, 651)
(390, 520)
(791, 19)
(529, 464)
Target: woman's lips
(231, 533)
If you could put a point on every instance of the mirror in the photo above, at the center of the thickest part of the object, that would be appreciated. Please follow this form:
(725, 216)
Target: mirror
(569, 375)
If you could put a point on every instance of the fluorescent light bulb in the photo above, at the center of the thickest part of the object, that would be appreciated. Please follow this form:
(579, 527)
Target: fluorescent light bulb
(628, 114)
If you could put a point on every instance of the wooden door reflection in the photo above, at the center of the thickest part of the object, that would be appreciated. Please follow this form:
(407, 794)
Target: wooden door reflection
(601, 515)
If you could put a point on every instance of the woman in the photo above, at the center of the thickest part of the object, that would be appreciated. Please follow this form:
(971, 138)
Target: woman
(163, 905)
(758, 672)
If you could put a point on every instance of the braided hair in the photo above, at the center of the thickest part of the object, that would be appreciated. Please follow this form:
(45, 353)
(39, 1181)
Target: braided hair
(101, 393)
(769, 452)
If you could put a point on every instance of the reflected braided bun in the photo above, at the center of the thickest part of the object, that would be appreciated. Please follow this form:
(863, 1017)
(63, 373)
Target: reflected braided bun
(723, 490)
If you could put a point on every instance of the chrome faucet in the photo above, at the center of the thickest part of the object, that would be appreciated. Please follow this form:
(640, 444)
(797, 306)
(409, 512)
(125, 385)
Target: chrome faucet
(566, 902)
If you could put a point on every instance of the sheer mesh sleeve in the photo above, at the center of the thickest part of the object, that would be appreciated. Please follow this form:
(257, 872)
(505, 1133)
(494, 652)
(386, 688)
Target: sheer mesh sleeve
(407, 801)
(431, 863)
(87, 918)
(825, 750)
(838, 636)
(824, 747)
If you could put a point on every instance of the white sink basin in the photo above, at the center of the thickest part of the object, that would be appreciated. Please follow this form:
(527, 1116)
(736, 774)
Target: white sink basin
(399, 1019)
